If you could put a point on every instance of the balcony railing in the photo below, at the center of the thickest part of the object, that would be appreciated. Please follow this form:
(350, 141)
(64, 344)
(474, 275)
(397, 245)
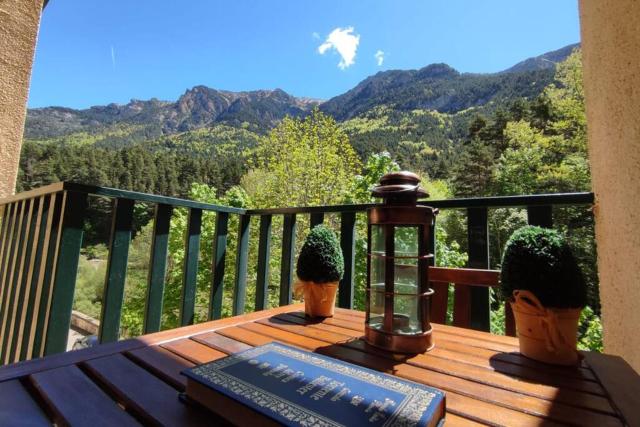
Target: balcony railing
(42, 232)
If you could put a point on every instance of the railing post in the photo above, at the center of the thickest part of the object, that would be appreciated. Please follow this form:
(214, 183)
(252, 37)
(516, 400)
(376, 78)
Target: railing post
(264, 253)
(66, 270)
(541, 216)
(40, 254)
(288, 254)
(24, 281)
(113, 293)
(8, 217)
(9, 288)
(348, 245)
(316, 218)
(9, 315)
(190, 272)
(219, 256)
(49, 257)
(242, 258)
(157, 269)
(478, 238)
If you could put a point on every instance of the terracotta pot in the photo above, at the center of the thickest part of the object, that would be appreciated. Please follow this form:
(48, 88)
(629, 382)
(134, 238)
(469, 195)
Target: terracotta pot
(546, 334)
(319, 298)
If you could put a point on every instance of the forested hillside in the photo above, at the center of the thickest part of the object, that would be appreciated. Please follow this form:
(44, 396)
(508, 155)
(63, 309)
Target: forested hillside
(522, 131)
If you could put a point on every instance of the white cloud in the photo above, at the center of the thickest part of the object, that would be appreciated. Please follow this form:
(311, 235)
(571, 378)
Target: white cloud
(379, 57)
(315, 35)
(113, 57)
(345, 42)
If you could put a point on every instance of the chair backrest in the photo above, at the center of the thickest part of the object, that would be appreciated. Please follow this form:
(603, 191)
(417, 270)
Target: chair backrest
(463, 279)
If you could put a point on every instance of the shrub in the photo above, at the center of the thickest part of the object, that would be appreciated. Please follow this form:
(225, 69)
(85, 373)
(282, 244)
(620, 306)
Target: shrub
(539, 260)
(320, 259)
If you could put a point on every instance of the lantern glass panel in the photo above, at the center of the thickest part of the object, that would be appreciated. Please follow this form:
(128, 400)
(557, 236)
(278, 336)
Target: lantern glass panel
(377, 273)
(376, 310)
(405, 317)
(377, 240)
(406, 276)
(406, 241)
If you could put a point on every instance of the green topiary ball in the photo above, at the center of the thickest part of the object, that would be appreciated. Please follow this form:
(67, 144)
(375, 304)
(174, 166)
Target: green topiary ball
(539, 260)
(320, 259)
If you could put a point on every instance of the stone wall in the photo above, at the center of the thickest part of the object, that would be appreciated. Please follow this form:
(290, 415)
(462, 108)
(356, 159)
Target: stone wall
(19, 23)
(611, 55)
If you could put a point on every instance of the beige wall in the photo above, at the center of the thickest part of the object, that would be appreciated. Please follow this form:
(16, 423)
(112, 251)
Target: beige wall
(611, 55)
(19, 23)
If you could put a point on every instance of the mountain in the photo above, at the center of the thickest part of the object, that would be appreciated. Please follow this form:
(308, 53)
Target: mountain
(545, 61)
(441, 88)
(436, 87)
(197, 108)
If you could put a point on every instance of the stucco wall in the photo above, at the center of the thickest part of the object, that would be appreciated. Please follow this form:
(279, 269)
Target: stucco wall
(611, 56)
(19, 23)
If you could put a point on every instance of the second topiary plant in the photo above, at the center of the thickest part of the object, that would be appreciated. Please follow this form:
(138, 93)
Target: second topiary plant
(320, 267)
(546, 289)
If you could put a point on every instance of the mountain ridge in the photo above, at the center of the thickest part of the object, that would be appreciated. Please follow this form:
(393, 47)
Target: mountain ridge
(436, 87)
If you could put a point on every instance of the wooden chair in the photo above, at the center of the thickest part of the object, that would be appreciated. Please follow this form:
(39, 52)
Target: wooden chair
(463, 280)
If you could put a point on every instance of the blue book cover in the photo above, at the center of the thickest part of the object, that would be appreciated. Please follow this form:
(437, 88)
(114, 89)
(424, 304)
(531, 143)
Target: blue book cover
(296, 387)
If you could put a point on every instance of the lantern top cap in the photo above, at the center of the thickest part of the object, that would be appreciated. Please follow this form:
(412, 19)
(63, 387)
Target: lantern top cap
(400, 185)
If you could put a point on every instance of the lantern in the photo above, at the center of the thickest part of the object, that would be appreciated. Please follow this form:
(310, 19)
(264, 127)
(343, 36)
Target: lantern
(398, 294)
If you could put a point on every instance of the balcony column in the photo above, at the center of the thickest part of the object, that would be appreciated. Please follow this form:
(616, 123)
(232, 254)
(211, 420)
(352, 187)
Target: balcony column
(611, 57)
(19, 23)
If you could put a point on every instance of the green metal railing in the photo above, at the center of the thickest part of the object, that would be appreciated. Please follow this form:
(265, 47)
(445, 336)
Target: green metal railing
(42, 231)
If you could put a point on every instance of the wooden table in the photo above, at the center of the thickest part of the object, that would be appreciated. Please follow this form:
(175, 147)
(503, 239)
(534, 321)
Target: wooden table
(485, 379)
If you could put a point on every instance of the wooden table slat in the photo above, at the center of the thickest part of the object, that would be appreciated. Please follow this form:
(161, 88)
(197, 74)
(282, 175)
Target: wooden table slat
(311, 323)
(244, 336)
(77, 401)
(220, 342)
(453, 420)
(163, 363)
(142, 393)
(28, 367)
(318, 334)
(193, 351)
(18, 408)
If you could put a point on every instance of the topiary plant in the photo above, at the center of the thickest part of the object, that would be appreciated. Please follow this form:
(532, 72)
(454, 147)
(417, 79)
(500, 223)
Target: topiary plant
(539, 260)
(320, 259)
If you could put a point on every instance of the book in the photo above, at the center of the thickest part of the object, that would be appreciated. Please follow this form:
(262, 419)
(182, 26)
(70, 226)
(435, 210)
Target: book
(276, 384)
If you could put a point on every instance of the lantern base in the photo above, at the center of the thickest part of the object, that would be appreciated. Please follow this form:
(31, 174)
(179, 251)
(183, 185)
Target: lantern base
(395, 343)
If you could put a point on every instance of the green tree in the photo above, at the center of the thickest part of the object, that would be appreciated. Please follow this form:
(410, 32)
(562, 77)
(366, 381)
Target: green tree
(552, 156)
(304, 162)
(472, 172)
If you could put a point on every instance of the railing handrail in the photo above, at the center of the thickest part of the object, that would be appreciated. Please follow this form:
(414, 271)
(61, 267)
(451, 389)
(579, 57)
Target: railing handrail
(122, 194)
(580, 198)
(577, 198)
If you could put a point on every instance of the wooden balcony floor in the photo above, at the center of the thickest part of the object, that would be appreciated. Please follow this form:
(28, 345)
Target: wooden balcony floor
(137, 381)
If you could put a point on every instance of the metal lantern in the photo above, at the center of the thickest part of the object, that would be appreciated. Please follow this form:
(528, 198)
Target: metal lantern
(398, 257)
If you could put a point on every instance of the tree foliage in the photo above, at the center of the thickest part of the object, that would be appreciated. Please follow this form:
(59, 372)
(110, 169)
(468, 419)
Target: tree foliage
(304, 162)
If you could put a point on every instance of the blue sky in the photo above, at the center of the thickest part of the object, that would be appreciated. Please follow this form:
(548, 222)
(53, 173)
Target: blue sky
(94, 52)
